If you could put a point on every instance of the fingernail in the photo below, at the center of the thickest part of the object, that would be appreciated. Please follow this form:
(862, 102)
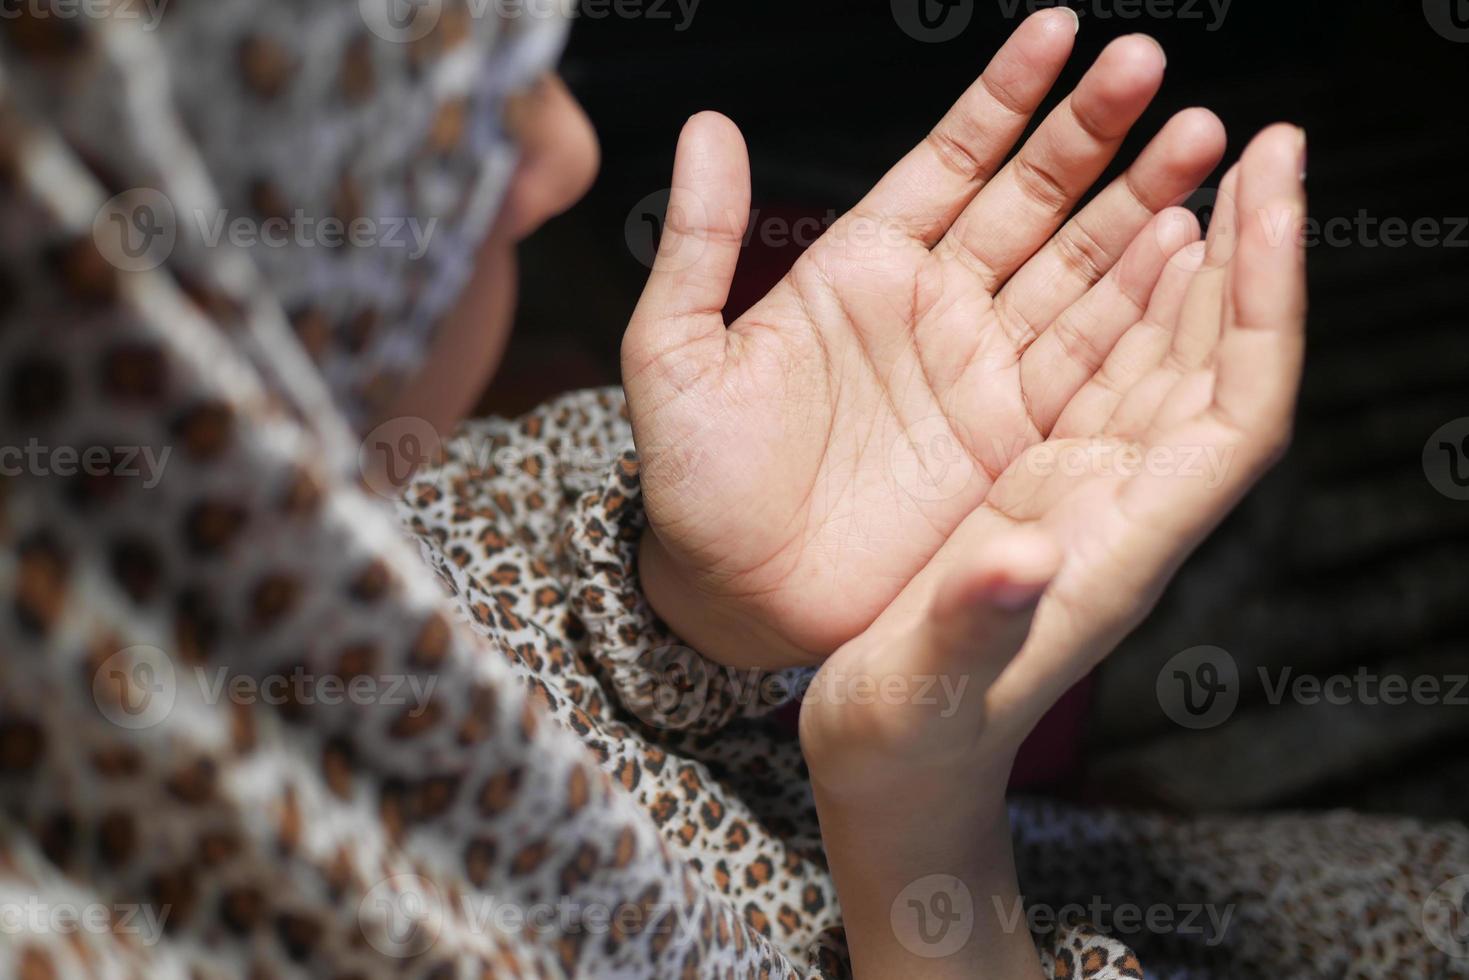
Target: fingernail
(1075, 19)
(1159, 45)
(1017, 596)
(1302, 134)
(1192, 256)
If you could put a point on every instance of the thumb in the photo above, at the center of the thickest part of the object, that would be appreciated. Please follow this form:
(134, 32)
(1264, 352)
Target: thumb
(682, 306)
(982, 613)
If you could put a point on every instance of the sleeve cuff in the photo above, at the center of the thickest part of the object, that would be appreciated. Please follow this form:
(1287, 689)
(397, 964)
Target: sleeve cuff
(657, 678)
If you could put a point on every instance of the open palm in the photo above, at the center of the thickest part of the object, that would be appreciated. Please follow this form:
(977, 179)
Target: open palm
(1077, 538)
(804, 463)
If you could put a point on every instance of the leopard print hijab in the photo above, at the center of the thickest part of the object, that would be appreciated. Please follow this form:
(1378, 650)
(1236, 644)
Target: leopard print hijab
(186, 345)
(323, 170)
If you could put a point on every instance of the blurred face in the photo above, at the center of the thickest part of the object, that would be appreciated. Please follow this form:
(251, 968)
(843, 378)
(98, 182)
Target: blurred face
(559, 160)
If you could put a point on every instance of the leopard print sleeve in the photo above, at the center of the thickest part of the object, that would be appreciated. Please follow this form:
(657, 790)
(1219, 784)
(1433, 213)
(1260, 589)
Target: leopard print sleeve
(1080, 952)
(663, 682)
(539, 518)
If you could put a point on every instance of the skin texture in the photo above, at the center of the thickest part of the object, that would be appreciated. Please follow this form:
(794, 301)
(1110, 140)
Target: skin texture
(960, 306)
(803, 463)
(1040, 582)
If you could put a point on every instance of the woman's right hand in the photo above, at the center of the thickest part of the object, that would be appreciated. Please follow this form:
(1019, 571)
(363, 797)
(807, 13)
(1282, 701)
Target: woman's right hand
(1041, 581)
(909, 769)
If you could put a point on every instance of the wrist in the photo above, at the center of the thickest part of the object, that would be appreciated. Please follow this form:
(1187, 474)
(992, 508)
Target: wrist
(847, 777)
(724, 631)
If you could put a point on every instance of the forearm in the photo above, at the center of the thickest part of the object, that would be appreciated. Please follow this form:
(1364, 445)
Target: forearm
(928, 886)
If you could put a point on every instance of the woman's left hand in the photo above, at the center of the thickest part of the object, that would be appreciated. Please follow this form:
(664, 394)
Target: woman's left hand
(1186, 415)
(910, 729)
(803, 463)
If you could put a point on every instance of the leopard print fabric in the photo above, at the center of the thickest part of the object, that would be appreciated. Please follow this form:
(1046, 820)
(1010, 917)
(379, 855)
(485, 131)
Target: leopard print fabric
(243, 730)
(518, 517)
(252, 723)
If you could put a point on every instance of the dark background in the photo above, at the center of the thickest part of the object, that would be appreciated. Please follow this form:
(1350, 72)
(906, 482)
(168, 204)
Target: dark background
(1347, 555)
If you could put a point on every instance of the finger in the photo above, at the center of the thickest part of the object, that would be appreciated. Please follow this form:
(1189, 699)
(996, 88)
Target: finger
(1170, 168)
(681, 309)
(928, 188)
(1065, 357)
(1196, 335)
(1027, 201)
(1139, 352)
(981, 613)
(1202, 316)
(1260, 356)
(1258, 368)
(1189, 396)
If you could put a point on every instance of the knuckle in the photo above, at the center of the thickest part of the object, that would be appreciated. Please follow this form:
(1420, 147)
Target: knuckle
(1041, 185)
(954, 151)
(1081, 251)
